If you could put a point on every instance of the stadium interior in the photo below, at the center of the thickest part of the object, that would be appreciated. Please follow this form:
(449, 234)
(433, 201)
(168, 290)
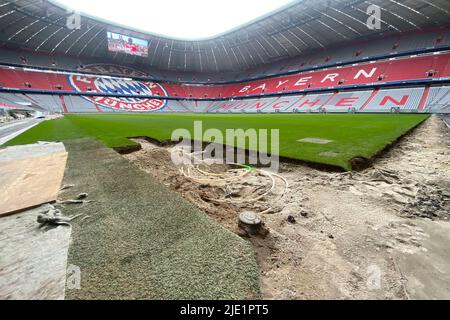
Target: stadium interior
(358, 90)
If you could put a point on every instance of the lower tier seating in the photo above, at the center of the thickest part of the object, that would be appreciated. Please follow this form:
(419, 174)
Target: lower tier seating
(434, 99)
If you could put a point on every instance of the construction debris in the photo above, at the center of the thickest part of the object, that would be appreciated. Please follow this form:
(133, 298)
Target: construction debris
(80, 199)
(67, 186)
(82, 196)
(50, 215)
(414, 198)
(240, 184)
(291, 219)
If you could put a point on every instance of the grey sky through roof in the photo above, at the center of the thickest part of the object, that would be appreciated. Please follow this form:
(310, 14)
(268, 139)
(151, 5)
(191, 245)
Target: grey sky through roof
(179, 19)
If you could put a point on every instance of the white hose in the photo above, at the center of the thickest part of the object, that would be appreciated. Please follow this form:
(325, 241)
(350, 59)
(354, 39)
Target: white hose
(194, 173)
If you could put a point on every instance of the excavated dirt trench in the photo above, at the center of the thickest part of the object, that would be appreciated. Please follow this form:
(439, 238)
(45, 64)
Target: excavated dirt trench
(339, 235)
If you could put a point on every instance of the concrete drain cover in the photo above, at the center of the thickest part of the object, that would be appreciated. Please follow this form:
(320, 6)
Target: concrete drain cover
(249, 218)
(315, 140)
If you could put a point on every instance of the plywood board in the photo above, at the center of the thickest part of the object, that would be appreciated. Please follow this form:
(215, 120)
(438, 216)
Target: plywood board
(30, 182)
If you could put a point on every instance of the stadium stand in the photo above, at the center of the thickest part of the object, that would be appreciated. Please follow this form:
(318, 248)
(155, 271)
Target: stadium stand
(390, 100)
(346, 101)
(8, 100)
(438, 100)
(74, 104)
(426, 100)
(415, 68)
(377, 47)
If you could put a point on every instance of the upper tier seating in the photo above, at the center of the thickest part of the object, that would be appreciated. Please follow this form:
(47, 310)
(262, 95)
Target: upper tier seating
(368, 48)
(398, 71)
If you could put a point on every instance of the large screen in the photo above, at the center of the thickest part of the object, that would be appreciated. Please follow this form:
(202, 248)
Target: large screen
(129, 45)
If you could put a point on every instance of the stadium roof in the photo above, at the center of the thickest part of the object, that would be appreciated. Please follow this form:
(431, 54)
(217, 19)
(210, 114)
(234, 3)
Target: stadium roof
(301, 27)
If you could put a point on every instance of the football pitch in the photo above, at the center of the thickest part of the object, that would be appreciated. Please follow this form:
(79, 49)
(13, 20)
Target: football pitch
(327, 139)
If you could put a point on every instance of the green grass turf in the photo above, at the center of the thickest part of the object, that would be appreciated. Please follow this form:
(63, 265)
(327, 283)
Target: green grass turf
(144, 241)
(353, 135)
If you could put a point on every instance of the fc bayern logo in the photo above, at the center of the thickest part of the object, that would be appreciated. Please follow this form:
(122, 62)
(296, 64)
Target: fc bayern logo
(108, 85)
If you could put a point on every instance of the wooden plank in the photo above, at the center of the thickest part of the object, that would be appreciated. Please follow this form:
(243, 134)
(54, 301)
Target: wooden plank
(28, 183)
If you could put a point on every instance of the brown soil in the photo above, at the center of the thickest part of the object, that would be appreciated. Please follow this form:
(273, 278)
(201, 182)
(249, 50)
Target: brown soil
(331, 230)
